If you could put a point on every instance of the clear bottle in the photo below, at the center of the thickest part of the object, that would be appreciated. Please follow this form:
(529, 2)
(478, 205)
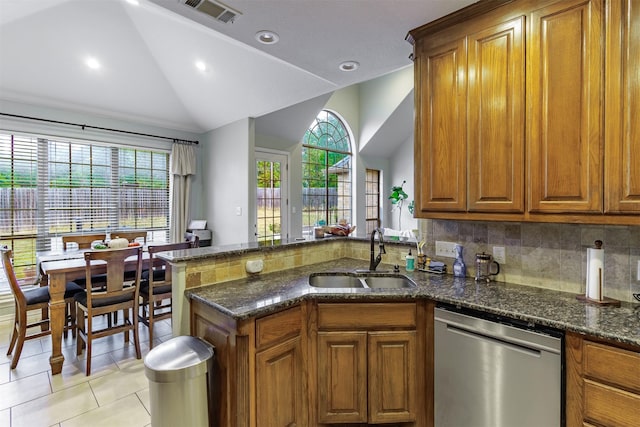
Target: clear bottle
(459, 268)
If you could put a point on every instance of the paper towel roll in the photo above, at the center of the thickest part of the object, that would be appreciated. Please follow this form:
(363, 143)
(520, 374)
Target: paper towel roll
(595, 273)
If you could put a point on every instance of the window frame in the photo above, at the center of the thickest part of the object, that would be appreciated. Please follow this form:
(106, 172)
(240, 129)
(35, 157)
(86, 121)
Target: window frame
(341, 147)
(42, 237)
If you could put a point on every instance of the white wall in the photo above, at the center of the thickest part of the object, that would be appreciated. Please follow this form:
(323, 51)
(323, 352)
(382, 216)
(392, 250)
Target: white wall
(379, 98)
(228, 177)
(401, 169)
(346, 103)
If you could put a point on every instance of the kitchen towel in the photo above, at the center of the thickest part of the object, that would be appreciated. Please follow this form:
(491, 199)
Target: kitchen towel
(595, 273)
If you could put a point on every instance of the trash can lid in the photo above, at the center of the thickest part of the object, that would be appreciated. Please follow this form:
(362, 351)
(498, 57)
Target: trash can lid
(178, 358)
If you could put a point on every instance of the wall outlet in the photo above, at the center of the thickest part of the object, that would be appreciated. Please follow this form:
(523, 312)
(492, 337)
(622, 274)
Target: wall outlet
(499, 255)
(446, 249)
(238, 211)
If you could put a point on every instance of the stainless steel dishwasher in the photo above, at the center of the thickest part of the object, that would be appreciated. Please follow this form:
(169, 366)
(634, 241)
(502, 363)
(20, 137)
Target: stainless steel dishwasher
(496, 372)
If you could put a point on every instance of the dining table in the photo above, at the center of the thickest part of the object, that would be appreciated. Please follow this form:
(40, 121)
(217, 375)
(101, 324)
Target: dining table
(58, 267)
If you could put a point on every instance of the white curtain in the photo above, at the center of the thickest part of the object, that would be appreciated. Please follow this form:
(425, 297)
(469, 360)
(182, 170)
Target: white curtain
(183, 165)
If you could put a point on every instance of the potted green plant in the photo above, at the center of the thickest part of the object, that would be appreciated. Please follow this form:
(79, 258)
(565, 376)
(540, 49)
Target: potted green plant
(397, 197)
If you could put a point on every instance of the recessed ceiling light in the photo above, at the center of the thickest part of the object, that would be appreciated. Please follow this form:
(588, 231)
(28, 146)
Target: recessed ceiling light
(134, 2)
(92, 63)
(200, 65)
(267, 37)
(349, 65)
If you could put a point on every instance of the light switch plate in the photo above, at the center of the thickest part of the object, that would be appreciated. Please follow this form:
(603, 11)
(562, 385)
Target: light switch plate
(499, 255)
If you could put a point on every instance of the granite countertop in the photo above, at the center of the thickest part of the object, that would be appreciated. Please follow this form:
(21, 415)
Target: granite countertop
(209, 252)
(268, 293)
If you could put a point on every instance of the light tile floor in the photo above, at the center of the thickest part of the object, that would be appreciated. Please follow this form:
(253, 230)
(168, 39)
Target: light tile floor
(116, 393)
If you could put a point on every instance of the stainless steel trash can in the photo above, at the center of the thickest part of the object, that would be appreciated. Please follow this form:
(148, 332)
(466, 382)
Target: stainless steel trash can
(178, 371)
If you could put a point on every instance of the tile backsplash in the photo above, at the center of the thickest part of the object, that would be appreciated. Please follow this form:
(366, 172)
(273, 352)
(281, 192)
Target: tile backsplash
(550, 256)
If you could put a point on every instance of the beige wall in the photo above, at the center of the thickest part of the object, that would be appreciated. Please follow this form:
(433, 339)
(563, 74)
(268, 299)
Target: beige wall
(232, 267)
(551, 256)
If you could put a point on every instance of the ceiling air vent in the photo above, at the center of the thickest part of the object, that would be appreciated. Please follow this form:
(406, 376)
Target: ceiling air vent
(217, 10)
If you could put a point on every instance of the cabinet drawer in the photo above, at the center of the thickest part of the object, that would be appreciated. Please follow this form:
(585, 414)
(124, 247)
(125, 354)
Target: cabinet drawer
(367, 316)
(610, 406)
(277, 327)
(599, 360)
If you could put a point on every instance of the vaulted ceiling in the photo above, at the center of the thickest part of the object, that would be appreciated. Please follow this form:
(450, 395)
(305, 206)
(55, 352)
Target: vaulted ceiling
(147, 55)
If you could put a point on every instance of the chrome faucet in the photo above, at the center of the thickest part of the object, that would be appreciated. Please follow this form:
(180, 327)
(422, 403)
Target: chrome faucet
(373, 263)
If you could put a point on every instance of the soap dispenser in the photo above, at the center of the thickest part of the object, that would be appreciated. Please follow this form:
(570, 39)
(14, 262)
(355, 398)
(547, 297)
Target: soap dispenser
(411, 262)
(459, 269)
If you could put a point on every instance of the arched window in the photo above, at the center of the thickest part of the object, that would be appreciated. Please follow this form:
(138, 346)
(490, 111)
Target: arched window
(326, 172)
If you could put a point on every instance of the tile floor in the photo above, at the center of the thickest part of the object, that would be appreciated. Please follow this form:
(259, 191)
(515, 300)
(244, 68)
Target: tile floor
(116, 393)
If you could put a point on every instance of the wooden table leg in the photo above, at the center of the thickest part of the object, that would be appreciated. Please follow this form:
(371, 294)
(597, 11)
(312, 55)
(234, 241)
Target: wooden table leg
(44, 281)
(57, 318)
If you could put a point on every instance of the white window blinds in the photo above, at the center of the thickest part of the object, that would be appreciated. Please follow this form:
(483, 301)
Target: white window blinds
(50, 187)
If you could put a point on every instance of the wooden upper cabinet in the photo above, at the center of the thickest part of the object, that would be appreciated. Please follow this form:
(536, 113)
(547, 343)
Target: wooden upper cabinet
(564, 81)
(622, 92)
(440, 154)
(496, 79)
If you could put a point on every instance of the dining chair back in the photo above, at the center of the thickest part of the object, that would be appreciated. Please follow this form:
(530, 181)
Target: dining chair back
(131, 236)
(82, 240)
(117, 294)
(35, 299)
(155, 287)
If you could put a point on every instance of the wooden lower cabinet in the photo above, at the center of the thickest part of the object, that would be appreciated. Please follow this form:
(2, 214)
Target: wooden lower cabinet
(371, 364)
(603, 383)
(260, 367)
(280, 394)
(367, 377)
(342, 377)
(317, 364)
(392, 376)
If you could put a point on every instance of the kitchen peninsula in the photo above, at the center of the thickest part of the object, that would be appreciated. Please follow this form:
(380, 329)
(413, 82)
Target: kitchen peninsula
(268, 329)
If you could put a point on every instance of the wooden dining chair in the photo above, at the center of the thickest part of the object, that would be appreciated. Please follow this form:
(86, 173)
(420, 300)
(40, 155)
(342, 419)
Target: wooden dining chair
(118, 294)
(82, 240)
(131, 236)
(30, 300)
(155, 287)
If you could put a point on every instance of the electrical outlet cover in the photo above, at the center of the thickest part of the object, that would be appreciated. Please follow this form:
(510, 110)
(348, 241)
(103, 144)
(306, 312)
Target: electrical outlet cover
(445, 249)
(499, 255)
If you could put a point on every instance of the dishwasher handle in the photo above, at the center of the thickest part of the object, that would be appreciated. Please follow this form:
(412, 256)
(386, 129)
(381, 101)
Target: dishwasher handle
(507, 334)
(498, 341)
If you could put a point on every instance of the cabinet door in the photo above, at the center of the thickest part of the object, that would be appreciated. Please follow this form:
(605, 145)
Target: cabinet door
(280, 386)
(342, 377)
(622, 93)
(564, 74)
(496, 71)
(392, 377)
(440, 146)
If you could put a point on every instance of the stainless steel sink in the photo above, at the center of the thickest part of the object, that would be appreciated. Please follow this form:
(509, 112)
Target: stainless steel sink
(360, 280)
(389, 282)
(335, 280)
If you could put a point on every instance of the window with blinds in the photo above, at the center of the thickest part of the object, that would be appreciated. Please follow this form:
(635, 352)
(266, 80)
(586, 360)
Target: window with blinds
(53, 187)
(372, 199)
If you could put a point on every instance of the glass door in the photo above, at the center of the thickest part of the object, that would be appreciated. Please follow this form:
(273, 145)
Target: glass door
(271, 197)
